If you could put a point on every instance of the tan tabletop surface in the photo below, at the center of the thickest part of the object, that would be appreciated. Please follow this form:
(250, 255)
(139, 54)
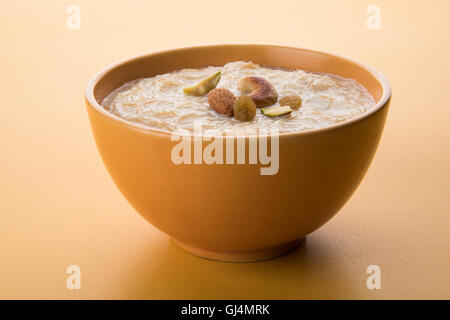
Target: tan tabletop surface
(59, 207)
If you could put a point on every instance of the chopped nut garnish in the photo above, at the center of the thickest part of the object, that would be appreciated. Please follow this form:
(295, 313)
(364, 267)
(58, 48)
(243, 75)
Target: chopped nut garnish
(294, 102)
(222, 101)
(276, 111)
(244, 109)
(260, 90)
(204, 86)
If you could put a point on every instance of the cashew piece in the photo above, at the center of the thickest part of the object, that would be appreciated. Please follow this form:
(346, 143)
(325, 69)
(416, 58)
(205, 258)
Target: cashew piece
(261, 91)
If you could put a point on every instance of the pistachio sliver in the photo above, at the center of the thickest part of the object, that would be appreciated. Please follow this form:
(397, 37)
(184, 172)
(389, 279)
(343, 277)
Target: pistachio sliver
(204, 86)
(276, 111)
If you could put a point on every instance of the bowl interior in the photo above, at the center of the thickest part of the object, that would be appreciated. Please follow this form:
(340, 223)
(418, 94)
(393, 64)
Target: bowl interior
(274, 56)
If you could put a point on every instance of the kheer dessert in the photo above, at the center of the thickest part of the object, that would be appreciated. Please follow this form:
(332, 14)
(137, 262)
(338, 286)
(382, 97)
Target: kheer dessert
(234, 199)
(241, 96)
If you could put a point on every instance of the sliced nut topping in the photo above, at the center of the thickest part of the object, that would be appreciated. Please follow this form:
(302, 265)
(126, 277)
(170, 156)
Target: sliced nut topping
(204, 86)
(222, 100)
(276, 111)
(294, 102)
(244, 109)
(261, 91)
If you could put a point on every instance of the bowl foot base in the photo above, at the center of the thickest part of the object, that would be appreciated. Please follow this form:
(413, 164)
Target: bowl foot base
(251, 256)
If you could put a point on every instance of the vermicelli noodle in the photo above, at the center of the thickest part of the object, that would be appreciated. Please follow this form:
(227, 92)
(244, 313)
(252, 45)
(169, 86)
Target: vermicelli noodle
(159, 102)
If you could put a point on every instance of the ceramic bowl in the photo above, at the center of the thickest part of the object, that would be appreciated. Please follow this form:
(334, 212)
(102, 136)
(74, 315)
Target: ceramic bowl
(231, 212)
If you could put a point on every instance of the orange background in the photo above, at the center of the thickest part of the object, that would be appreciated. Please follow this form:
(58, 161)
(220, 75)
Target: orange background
(59, 206)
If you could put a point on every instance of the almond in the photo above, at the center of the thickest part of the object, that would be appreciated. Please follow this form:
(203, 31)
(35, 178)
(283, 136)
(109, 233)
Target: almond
(222, 100)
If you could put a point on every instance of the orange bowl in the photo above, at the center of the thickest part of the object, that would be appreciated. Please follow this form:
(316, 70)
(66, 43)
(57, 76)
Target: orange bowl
(232, 212)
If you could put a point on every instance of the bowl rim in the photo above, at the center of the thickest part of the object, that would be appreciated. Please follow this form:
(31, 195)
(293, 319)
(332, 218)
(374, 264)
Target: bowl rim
(385, 97)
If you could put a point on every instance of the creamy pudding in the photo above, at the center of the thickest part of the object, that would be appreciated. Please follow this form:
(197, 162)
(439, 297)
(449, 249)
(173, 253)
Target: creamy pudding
(159, 102)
